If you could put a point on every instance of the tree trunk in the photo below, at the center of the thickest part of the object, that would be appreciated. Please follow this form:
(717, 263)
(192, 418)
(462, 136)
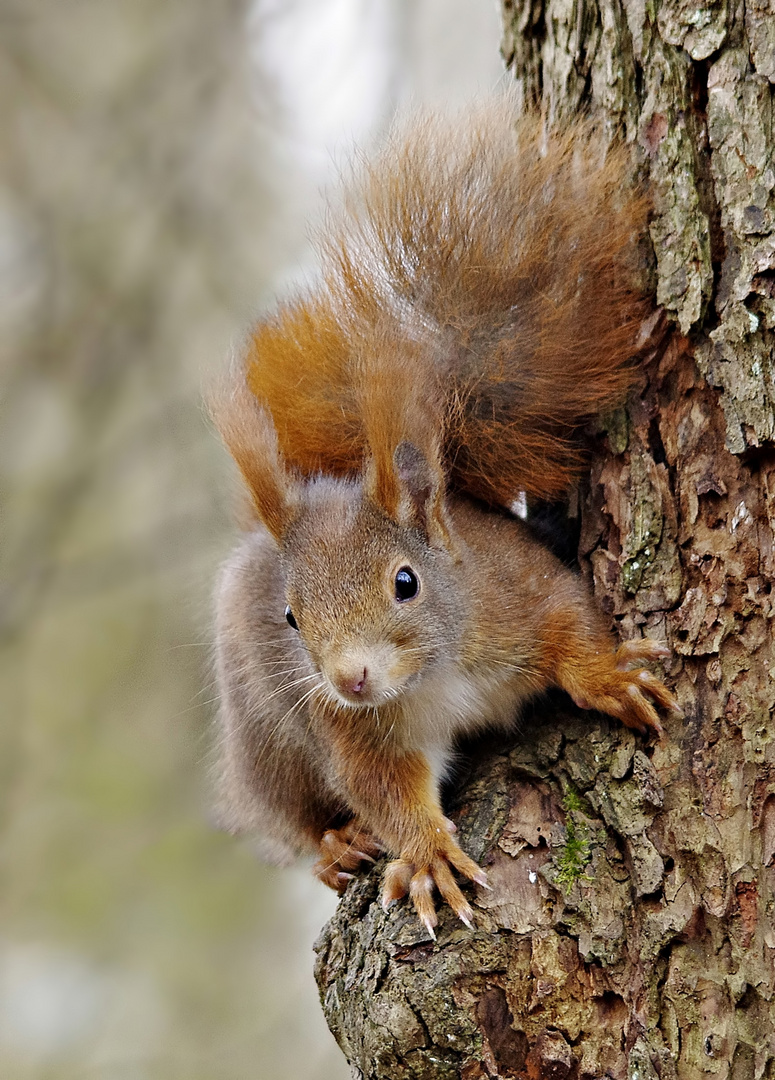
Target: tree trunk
(630, 929)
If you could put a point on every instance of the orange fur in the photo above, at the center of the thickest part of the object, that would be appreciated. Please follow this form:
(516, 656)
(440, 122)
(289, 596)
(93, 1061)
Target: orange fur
(248, 432)
(477, 289)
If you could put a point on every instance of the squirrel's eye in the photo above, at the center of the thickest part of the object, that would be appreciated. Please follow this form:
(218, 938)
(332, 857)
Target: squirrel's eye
(407, 584)
(289, 616)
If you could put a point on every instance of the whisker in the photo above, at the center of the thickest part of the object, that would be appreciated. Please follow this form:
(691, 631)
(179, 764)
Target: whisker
(283, 720)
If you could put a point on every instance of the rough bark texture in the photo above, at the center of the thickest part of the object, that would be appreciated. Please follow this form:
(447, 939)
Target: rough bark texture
(631, 928)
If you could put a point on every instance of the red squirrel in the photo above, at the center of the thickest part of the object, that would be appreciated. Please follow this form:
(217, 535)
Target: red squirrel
(475, 307)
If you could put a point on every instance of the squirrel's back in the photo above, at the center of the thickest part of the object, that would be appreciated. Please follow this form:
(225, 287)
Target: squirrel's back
(477, 298)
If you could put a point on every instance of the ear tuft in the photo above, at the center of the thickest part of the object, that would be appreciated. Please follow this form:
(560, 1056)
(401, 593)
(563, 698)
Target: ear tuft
(250, 437)
(413, 472)
(421, 486)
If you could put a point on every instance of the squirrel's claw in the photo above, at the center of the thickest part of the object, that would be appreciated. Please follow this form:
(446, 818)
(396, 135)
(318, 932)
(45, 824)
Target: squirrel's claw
(659, 692)
(421, 892)
(640, 651)
(643, 651)
(343, 851)
(419, 881)
(611, 685)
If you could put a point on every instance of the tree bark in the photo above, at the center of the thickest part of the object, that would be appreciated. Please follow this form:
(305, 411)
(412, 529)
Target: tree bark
(630, 929)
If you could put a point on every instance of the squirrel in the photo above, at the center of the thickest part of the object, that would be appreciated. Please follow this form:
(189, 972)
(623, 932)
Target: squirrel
(476, 306)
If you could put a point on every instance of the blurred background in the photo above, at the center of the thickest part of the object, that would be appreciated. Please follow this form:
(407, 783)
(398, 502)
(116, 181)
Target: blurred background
(158, 162)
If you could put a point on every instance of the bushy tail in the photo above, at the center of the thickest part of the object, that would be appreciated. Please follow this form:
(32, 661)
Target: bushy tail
(478, 282)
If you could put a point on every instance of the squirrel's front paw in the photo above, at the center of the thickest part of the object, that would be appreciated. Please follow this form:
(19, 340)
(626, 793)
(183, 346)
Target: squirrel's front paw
(630, 695)
(343, 851)
(418, 877)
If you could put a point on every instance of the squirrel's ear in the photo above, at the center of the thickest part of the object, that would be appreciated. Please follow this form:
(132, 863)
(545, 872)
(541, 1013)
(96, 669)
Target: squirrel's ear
(421, 489)
(250, 437)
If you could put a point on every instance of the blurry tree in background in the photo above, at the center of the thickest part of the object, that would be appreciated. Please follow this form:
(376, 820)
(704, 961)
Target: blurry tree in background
(149, 156)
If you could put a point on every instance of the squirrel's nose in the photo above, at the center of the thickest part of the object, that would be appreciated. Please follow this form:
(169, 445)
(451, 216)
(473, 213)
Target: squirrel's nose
(352, 682)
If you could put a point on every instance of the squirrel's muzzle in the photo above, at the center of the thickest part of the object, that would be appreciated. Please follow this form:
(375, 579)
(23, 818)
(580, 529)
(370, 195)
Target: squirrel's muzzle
(368, 675)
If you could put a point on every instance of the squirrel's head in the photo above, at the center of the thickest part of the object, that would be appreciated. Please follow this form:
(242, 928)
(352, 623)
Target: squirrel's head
(370, 567)
(373, 598)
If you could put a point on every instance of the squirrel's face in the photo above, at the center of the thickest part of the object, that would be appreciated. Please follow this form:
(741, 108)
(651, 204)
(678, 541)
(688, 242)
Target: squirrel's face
(376, 607)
